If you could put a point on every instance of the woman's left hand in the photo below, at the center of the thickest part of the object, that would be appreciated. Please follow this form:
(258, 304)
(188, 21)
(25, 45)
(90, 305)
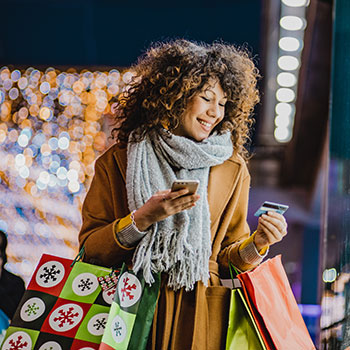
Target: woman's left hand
(271, 229)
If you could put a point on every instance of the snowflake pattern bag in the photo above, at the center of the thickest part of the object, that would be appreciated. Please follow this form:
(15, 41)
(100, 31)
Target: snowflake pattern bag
(131, 314)
(63, 308)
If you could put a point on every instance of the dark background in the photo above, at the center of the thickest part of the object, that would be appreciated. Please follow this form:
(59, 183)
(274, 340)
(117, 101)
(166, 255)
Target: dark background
(102, 33)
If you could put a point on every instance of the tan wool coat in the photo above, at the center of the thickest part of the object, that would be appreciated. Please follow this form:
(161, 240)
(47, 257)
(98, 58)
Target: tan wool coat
(195, 320)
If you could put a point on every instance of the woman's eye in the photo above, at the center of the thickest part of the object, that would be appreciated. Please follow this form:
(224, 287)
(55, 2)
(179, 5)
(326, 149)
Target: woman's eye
(205, 98)
(222, 104)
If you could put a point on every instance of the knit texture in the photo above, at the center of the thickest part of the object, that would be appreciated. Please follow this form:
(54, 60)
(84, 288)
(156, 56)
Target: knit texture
(179, 245)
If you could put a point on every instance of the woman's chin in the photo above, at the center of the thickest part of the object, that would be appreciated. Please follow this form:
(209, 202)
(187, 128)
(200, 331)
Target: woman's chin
(202, 136)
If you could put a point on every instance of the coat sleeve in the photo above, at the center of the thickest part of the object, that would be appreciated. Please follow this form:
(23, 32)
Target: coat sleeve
(238, 229)
(104, 205)
(11, 291)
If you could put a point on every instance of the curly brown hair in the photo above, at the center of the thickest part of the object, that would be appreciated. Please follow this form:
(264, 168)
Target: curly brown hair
(172, 72)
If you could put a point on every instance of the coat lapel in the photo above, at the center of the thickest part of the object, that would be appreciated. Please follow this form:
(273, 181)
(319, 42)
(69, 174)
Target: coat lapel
(222, 181)
(121, 159)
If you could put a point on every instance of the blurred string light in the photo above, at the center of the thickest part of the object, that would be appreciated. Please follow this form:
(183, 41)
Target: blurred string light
(296, 3)
(292, 26)
(329, 275)
(51, 131)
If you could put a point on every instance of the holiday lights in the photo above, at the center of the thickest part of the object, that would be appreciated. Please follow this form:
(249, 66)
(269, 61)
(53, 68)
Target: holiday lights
(52, 128)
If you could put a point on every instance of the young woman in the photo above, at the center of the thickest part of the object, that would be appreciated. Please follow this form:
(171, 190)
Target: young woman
(186, 115)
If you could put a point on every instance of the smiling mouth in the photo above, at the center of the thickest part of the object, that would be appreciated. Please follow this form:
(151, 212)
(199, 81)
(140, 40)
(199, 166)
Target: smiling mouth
(205, 124)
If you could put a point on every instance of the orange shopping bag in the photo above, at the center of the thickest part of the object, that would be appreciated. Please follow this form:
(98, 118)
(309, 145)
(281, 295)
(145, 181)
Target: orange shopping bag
(274, 307)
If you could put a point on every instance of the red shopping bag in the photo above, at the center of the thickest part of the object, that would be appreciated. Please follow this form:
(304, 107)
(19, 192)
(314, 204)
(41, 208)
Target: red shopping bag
(274, 307)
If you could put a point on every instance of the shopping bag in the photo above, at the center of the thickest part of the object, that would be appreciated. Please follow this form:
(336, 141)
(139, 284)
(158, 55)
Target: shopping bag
(274, 308)
(131, 314)
(63, 307)
(242, 332)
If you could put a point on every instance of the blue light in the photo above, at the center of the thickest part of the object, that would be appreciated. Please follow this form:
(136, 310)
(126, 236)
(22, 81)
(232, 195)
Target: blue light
(15, 75)
(53, 143)
(34, 149)
(54, 166)
(39, 139)
(310, 310)
(2, 97)
(45, 87)
(64, 134)
(56, 158)
(27, 132)
(60, 78)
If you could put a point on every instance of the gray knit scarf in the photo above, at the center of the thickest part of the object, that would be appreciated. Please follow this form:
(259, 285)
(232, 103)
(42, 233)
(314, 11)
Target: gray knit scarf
(179, 245)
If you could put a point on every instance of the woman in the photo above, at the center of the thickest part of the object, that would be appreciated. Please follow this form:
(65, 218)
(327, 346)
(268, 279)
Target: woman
(186, 115)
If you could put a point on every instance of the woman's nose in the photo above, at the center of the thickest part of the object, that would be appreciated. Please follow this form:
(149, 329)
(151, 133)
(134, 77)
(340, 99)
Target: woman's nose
(214, 111)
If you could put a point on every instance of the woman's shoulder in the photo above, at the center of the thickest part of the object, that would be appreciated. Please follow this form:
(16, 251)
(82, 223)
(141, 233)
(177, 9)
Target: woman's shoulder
(111, 153)
(112, 161)
(237, 158)
(240, 161)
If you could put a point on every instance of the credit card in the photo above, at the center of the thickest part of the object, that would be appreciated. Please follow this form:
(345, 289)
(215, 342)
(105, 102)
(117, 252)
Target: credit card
(271, 206)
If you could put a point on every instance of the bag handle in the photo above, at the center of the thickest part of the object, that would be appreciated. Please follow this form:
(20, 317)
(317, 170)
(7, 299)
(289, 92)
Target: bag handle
(79, 256)
(235, 270)
(236, 283)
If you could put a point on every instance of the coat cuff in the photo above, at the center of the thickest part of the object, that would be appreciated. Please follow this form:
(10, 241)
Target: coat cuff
(127, 233)
(249, 253)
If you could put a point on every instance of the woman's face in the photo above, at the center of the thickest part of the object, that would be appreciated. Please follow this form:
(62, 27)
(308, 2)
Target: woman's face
(204, 111)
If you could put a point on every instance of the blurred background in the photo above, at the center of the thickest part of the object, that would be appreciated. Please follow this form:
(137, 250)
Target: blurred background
(62, 63)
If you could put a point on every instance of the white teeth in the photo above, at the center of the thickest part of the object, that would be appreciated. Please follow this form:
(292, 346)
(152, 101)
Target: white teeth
(204, 123)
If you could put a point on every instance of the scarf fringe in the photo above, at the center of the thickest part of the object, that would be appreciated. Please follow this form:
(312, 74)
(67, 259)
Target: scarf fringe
(177, 267)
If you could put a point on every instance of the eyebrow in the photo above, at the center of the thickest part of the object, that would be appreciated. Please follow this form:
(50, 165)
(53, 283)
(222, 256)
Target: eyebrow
(210, 90)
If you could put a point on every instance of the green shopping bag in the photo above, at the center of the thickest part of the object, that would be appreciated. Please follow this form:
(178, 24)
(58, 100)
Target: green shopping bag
(131, 314)
(242, 332)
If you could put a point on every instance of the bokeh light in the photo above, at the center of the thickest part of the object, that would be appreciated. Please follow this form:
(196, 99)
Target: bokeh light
(289, 43)
(288, 63)
(51, 131)
(296, 3)
(282, 134)
(283, 121)
(284, 108)
(291, 40)
(286, 79)
(285, 95)
(292, 23)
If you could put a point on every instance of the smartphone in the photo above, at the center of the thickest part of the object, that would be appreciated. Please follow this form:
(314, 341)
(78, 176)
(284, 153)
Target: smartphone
(191, 185)
(271, 206)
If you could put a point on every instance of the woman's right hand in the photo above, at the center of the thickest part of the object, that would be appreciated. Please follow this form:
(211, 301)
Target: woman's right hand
(161, 205)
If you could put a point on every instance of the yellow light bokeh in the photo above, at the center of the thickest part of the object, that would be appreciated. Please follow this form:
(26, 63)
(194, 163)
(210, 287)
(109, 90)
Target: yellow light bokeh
(2, 136)
(45, 113)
